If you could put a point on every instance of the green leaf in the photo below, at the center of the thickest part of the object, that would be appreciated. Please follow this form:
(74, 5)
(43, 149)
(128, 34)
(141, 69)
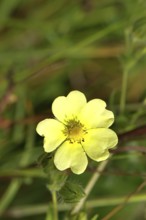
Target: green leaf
(71, 192)
(95, 217)
(55, 178)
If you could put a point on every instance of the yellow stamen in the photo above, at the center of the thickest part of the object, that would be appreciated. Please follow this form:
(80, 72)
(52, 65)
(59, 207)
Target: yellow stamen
(74, 131)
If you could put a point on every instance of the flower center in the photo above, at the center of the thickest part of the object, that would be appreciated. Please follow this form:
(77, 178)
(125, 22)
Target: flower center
(74, 131)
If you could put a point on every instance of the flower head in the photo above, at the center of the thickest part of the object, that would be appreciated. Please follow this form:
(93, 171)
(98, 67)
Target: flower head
(80, 130)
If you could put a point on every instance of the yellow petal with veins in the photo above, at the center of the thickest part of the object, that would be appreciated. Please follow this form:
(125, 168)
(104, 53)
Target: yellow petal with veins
(71, 155)
(52, 130)
(98, 141)
(68, 107)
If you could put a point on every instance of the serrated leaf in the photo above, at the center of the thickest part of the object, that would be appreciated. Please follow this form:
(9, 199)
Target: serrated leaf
(71, 192)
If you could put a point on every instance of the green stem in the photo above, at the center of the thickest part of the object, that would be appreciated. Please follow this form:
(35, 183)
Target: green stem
(127, 66)
(89, 186)
(30, 210)
(124, 91)
(16, 183)
(54, 199)
(9, 194)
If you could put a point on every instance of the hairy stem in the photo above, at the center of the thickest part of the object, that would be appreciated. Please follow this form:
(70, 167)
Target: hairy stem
(54, 199)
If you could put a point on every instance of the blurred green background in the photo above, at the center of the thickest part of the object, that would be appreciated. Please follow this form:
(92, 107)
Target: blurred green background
(47, 49)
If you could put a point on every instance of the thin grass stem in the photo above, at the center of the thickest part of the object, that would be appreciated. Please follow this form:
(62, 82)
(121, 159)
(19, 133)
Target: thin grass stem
(90, 186)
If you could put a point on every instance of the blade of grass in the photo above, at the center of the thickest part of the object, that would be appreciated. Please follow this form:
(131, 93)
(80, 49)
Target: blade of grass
(23, 211)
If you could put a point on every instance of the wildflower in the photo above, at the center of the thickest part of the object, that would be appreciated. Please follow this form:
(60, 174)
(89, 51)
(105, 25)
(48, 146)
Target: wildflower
(80, 130)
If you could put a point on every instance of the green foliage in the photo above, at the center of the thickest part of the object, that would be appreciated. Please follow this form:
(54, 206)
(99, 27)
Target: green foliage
(71, 192)
(55, 178)
(47, 49)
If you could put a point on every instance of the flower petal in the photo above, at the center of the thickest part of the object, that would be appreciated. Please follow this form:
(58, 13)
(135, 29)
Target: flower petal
(95, 115)
(104, 156)
(68, 107)
(71, 155)
(52, 130)
(98, 141)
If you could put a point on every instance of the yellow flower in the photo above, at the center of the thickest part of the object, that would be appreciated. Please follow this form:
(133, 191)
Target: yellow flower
(80, 129)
